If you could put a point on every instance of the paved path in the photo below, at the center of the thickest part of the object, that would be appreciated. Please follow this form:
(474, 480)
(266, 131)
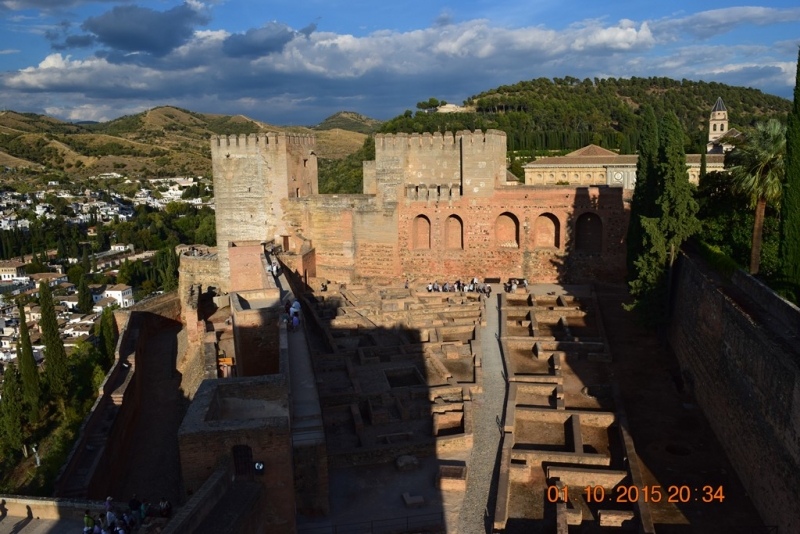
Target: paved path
(477, 509)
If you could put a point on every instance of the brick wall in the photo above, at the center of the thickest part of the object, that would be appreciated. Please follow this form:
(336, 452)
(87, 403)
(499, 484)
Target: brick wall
(746, 377)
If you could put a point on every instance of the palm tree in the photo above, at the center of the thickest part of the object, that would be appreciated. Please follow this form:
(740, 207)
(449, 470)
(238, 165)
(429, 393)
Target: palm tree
(756, 166)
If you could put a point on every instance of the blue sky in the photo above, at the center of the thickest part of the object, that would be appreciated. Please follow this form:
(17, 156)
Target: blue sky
(298, 62)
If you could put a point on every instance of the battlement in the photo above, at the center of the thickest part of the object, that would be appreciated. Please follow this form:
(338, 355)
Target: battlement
(268, 140)
(492, 139)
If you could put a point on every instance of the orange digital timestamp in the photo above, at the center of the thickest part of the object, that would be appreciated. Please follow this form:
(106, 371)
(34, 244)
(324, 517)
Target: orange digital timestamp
(649, 494)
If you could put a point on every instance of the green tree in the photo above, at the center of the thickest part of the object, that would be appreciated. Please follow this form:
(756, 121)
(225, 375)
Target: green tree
(85, 263)
(31, 389)
(108, 336)
(756, 165)
(12, 418)
(56, 371)
(790, 205)
(85, 300)
(674, 222)
(645, 192)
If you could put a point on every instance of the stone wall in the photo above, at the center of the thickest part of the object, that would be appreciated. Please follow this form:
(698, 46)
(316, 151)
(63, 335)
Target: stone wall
(739, 354)
(248, 266)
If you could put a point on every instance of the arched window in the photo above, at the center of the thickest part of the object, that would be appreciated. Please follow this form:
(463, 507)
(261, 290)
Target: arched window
(506, 231)
(589, 233)
(454, 233)
(547, 231)
(714, 128)
(721, 127)
(421, 236)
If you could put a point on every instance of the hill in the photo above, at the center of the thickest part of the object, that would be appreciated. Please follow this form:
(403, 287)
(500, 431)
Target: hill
(568, 113)
(351, 121)
(163, 141)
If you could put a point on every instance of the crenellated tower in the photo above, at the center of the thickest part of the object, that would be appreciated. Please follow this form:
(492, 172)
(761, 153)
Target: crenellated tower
(254, 175)
(437, 166)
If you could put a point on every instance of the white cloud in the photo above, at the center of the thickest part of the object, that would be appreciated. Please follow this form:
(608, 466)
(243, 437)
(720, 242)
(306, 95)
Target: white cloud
(8, 51)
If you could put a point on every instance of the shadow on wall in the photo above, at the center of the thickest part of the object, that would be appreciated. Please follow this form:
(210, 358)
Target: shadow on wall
(594, 244)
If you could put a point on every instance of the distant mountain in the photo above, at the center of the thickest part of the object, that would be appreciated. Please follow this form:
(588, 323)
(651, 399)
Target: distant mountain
(568, 113)
(163, 141)
(351, 121)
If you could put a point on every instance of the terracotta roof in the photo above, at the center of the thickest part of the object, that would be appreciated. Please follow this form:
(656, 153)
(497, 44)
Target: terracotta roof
(716, 159)
(591, 150)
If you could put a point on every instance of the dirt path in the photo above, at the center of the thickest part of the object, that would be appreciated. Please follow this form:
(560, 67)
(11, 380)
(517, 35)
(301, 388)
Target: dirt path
(154, 469)
(675, 443)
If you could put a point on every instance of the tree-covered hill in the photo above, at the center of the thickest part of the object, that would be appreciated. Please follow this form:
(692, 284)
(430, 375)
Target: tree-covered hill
(350, 121)
(568, 113)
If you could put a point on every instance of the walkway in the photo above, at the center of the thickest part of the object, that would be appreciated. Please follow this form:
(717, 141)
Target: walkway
(477, 509)
(306, 418)
(23, 525)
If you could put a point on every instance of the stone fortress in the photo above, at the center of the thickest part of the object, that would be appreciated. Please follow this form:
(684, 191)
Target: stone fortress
(384, 412)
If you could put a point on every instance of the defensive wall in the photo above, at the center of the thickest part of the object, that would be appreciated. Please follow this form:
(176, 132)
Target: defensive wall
(439, 206)
(103, 443)
(737, 345)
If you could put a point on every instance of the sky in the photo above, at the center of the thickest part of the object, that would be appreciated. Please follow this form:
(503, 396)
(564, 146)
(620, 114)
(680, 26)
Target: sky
(297, 62)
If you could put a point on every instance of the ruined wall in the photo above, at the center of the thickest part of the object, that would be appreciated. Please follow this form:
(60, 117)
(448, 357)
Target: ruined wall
(202, 270)
(255, 329)
(738, 357)
(253, 175)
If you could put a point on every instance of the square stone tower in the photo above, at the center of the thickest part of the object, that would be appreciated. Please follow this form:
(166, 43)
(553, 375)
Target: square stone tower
(254, 176)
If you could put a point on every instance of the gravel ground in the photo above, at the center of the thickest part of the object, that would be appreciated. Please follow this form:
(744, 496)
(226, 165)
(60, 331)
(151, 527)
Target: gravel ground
(477, 509)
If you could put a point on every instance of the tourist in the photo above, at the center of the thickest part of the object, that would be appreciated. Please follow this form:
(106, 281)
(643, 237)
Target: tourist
(109, 504)
(324, 287)
(165, 507)
(144, 511)
(88, 522)
(111, 518)
(430, 288)
(134, 505)
(406, 285)
(269, 268)
(525, 283)
(295, 322)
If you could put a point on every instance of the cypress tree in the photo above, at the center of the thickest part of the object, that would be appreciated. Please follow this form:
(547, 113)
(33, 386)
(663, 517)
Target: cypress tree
(56, 370)
(790, 201)
(87, 266)
(108, 336)
(85, 300)
(645, 192)
(676, 201)
(12, 413)
(664, 233)
(31, 391)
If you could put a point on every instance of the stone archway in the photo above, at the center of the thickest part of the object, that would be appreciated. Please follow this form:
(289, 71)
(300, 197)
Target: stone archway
(421, 233)
(454, 233)
(506, 231)
(547, 231)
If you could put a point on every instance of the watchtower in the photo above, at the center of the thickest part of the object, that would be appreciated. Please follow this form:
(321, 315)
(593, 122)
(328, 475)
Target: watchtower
(254, 176)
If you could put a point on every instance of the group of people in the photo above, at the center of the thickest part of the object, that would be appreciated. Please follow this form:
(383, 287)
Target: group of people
(274, 268)
(513, 283)
(116, 521)
(472, 287)
(291, 315)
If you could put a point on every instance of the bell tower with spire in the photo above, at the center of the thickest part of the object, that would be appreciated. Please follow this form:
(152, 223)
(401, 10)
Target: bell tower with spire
(718, 122)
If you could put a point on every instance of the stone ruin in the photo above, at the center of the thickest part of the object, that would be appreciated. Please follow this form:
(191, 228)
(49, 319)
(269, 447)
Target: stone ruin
(396, 370)
(565, 424)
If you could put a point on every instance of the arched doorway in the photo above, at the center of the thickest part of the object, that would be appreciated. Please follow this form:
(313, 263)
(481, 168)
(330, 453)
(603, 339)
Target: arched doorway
(547, 231)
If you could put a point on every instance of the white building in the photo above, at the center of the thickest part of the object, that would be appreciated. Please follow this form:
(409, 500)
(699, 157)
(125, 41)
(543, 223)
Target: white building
(121, 293)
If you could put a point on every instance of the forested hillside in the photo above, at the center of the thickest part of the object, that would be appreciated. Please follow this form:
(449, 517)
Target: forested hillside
(568, 113)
